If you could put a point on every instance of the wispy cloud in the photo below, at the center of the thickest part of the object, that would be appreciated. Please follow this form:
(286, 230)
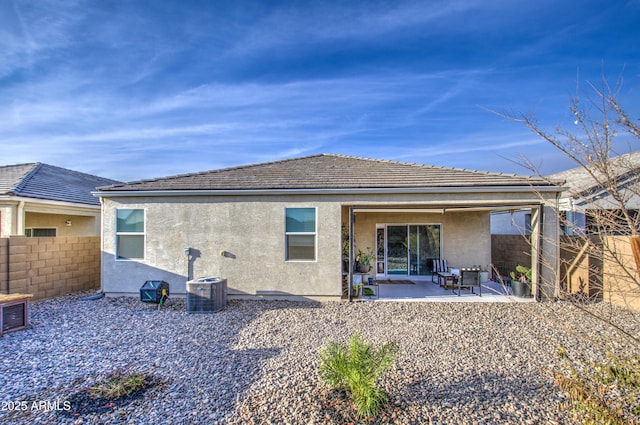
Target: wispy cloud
(30, 31)
(368, 21)
(124, 87)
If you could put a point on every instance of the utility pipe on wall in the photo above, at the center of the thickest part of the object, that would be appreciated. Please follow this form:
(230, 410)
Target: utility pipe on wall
(187, 251)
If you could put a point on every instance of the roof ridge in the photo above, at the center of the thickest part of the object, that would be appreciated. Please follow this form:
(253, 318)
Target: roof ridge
(18, 165)
(219, 170)
(70, 171)
(24, 180)
(416, 164)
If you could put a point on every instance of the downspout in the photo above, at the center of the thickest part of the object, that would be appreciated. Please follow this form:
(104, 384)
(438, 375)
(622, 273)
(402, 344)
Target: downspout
(351, 240)
(102, 265)
(187, 252)
(8, 265)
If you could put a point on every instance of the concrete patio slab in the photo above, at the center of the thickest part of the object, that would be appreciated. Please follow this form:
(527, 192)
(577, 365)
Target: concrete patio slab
(427, 291)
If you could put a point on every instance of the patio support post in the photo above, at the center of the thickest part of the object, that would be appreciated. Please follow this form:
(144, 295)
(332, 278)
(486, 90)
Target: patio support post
(550, 253)
(351, 240)
(20, 220)
(536, 236)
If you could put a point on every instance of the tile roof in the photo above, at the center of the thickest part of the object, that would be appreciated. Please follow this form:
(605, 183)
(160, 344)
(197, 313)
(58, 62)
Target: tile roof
(328, 171)
(43, 181)
(626, 168)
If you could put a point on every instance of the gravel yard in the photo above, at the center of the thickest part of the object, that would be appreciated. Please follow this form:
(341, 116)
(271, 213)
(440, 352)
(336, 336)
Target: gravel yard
(256, 361)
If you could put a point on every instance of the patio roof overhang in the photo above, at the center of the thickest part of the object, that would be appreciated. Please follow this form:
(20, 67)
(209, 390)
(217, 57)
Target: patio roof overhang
(536, 236)
(444, 209)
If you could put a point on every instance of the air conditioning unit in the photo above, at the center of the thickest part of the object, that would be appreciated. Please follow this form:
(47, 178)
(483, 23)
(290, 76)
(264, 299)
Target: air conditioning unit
(206, 295)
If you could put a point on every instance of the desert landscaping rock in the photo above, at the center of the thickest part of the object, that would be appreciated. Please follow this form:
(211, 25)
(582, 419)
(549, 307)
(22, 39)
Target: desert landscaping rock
(256, 362)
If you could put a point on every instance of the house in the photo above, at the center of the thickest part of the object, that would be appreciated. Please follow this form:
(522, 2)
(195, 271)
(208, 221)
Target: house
(585, 196)
(42, 200)
(597, 259)
(581, 199)
(277, 229)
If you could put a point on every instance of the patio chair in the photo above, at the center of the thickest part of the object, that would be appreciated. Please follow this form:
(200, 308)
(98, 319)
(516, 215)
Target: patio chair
(439, 266)
(469, 279)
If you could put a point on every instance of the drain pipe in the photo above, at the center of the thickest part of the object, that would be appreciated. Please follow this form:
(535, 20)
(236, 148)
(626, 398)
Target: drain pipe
(351, 251)
(187, 251)
(8, 265)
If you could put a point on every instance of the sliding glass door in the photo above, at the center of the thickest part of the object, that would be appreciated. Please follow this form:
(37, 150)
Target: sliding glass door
(407, 249)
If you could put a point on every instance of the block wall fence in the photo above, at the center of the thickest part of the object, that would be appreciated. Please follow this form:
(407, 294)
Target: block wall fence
(598, 278)
(49, 267)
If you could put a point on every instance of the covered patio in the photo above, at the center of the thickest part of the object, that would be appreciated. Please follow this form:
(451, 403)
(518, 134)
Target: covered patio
(408, 240)
(424, 290)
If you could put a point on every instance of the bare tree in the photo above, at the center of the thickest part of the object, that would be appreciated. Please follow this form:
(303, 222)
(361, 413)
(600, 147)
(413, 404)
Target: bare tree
(608, 192)
(611, 195)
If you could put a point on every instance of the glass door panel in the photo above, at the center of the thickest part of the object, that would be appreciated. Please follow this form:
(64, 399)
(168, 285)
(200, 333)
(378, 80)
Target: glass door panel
(397, 250)
(424, 245)
(380, 251)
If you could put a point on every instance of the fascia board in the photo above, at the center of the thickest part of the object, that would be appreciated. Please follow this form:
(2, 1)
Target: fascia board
(41, 205)
(328, 191)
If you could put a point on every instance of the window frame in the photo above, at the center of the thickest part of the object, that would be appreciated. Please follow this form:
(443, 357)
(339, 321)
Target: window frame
(143, 234)
(314, 234)
(28, 232)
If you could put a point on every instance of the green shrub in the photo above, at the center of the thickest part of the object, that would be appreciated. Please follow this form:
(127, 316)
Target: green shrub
(355, 368)
(368, 292)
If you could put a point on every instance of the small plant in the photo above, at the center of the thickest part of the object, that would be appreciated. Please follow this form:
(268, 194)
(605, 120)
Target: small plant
(345, 242)
(118, 383)
(366, 257)
(524, 274)
(355, 368)
(601, 393)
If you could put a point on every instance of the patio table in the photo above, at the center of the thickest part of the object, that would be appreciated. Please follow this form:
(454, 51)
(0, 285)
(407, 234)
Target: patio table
(447, 278)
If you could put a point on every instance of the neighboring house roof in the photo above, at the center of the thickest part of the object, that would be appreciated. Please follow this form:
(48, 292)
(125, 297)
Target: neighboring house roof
(43, 181)
(585, 188)
(329, 171)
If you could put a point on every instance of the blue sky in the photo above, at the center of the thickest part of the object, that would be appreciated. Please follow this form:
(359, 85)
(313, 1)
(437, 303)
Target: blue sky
(141, 89)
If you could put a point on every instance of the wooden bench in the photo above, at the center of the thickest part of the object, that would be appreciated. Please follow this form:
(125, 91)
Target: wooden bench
(14, 312)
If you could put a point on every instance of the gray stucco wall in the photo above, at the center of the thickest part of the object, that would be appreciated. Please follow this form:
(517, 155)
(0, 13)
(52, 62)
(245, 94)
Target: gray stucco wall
(249, 233)
(466, 235)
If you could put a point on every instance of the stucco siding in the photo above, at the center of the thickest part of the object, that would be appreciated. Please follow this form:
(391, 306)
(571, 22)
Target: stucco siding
(7, 220)
(466, 236)
(16, 216)
(80, 226)
(241, 240)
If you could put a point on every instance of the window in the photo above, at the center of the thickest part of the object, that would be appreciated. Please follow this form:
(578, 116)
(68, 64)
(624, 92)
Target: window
(40, 232)
(527, 224)
(612, 222)
(130, 234)
(300, 234)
